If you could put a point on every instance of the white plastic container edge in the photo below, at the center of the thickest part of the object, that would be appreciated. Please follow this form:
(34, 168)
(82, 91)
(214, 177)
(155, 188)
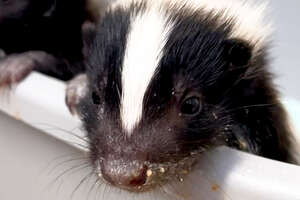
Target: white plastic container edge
(221, 174)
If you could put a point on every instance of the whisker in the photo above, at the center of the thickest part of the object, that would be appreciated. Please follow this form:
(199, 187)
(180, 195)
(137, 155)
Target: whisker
(104, 192)
(233, 86)
(163, 190)
(75, 168)
(80, 183)
(67, 161)
(97, 191)
(86, 148)
(178, 195)
(92, 188)
(101, 185)
(59, 187)
(109, 192)
(54, 160)
(53, 127)
(238, 68)
(251, 106)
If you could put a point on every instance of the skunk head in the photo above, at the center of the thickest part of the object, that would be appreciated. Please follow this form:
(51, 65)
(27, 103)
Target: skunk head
(170, 79)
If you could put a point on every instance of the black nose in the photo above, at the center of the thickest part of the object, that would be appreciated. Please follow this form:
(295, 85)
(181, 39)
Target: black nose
(128, 175)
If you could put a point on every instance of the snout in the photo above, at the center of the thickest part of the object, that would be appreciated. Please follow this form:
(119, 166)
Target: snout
(124, 174)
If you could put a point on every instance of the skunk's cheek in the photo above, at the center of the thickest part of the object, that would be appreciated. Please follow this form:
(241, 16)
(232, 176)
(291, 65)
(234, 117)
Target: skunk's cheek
(238, 52)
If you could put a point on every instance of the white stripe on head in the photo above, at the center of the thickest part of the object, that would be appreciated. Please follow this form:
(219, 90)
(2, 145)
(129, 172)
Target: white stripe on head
(247, 17)
(150, 29)
(147, 36)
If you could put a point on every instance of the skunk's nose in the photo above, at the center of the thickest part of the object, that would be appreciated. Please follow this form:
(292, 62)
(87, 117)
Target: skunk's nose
(127, 175)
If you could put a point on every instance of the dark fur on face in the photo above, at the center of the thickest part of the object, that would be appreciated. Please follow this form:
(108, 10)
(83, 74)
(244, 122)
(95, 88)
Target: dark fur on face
(209, 89)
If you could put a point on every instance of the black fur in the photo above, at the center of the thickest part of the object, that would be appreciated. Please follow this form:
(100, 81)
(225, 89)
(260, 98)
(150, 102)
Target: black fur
(240, 106)
(106, 57)
(45, 25)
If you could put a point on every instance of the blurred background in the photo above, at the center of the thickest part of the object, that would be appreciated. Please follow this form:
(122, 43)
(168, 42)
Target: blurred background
(286, 46)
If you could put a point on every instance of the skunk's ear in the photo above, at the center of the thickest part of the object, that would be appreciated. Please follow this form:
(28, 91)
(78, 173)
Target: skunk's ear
(238, 52)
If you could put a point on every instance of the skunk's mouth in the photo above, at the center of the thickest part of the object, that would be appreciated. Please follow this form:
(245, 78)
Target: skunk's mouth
(140, 177)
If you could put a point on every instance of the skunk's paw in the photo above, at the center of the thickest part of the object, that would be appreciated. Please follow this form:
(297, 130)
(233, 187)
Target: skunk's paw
(76, 89)
(14, 68)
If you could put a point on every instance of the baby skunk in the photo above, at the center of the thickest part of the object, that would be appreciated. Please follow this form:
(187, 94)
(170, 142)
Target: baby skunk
(42, 35)
(168, 80)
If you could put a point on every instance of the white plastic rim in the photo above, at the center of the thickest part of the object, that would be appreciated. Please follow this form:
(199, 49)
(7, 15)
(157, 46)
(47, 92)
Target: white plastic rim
(40, 102)
(221, 174)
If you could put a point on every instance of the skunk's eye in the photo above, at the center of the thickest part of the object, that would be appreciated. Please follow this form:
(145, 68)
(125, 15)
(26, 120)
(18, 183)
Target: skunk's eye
(191, 106)
(95, 98)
